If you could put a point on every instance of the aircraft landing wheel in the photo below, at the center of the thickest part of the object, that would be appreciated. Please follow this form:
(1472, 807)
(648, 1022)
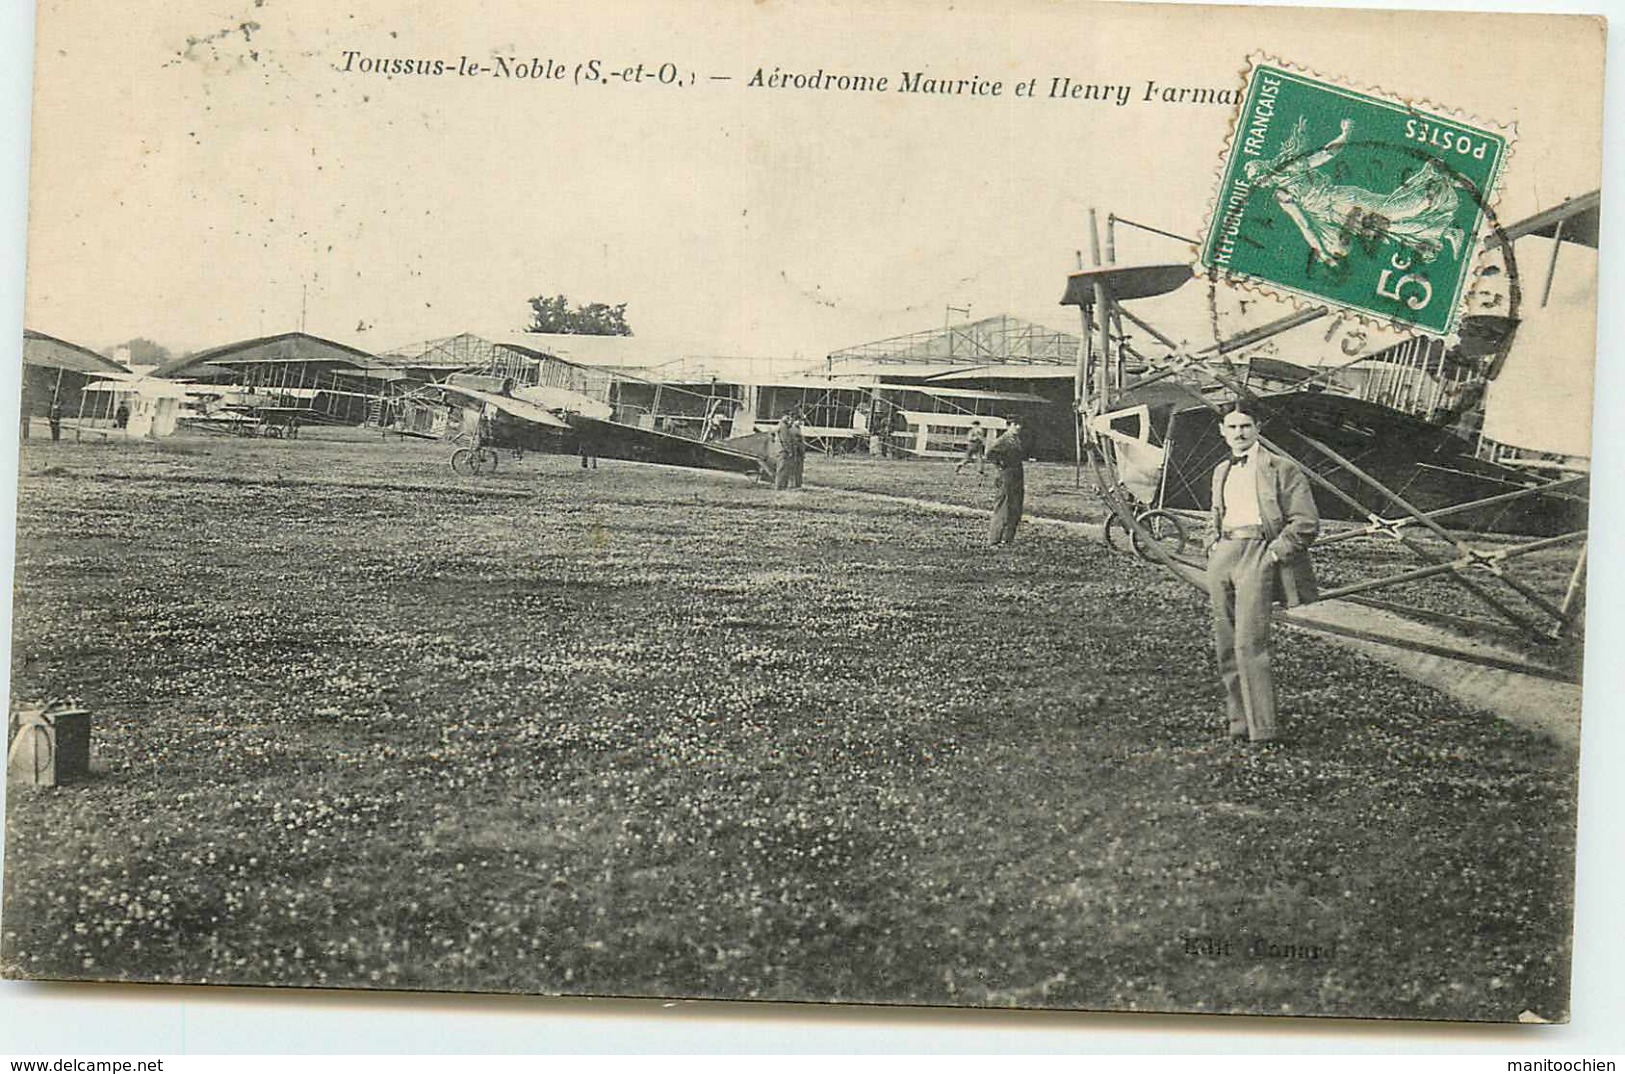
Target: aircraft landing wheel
(484, 461)
(1165, 528)
(462, 461)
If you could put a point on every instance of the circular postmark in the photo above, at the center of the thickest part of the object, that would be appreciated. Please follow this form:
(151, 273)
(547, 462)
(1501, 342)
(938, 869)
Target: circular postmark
(1389, 218)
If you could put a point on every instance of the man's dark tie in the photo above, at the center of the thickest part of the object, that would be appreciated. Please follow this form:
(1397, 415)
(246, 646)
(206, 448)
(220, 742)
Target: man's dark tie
(1238, 460)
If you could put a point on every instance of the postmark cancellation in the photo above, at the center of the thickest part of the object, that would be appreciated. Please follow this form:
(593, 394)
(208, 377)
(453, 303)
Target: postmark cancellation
(1354, 199)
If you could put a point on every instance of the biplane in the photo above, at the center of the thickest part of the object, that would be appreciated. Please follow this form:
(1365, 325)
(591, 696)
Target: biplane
(1425, 516)
(157, 406)
(1168, 447)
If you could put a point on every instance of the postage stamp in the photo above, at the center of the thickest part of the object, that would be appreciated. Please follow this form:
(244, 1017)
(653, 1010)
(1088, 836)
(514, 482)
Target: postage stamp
(1365, 203)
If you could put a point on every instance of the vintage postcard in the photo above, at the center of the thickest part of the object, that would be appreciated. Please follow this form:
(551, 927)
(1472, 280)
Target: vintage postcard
(1068, 507)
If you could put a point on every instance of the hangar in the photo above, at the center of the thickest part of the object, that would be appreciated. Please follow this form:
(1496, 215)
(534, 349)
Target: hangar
(56, 373)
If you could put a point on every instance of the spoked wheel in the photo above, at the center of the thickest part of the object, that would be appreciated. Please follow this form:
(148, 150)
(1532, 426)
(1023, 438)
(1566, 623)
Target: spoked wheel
(484, 461)
(462, 461)
(1165, 528)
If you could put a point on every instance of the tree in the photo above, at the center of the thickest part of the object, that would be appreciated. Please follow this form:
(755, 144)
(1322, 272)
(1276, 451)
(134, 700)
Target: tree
(142, 351)
(555, 314)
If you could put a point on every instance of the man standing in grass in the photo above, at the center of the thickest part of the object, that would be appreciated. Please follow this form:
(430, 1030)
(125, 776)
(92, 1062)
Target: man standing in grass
(795, 449)
(1010, 486)
(975, 449)
(1264, 518)
(798, 421)
(785, 447)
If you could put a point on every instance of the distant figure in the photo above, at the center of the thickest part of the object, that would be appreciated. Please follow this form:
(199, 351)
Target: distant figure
(1010, 486)
(121, 416)
(587, 450)
(975, 449)
(899, 432)
(775, 453)
(293, 426)
(880, 431)
(56, 420)
(784, 448)
(798, 461)
(716, 427)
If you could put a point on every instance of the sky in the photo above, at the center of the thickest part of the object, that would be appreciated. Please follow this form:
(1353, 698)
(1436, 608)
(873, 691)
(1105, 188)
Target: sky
(209, 170)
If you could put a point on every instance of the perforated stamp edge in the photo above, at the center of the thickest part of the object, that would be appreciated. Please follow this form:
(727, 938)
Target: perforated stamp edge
(1486, 252)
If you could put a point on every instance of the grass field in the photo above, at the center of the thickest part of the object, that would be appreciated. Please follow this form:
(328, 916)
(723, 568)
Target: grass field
(645, 732)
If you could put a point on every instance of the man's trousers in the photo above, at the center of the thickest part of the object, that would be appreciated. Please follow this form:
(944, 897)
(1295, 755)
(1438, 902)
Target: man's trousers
(1241, 584)
(1009, 495)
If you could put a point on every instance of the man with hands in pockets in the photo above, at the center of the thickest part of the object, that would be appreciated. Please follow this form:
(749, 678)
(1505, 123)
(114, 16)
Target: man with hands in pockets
(1265, 519)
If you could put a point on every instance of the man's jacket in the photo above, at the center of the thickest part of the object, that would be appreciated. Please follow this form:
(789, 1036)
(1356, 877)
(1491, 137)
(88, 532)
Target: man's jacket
(1286, 507)
(1007, 453)
(787, 441)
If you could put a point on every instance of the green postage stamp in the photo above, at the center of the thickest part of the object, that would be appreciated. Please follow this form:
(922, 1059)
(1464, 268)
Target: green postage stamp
(1345, 198)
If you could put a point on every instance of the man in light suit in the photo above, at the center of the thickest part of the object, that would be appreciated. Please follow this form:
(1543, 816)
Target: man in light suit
(1265, 519)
